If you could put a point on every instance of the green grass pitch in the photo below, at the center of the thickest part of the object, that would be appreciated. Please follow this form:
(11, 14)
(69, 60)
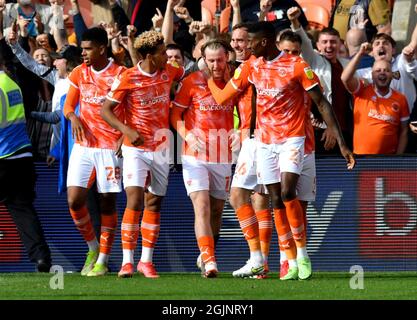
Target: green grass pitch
(190, 286)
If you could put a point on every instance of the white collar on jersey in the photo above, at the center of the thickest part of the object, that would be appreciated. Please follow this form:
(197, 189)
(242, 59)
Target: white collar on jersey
(145, 73)
(103, 70)
(276, 58)
(389, 94)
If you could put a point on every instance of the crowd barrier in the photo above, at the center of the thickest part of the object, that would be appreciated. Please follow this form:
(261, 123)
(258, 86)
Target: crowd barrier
(365, 217)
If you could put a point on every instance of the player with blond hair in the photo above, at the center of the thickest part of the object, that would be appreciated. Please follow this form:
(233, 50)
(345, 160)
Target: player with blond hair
(205, 127)
(143, 92)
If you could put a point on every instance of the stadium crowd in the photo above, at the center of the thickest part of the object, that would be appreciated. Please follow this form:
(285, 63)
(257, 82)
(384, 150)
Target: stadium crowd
(108, 91)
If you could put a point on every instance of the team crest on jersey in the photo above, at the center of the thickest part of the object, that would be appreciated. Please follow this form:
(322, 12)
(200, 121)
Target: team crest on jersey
(395, 107)
(309, 73)
(282, 72)
(164, 77)
(237, 73)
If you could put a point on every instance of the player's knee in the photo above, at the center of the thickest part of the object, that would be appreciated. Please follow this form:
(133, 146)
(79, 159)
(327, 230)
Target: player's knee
(238, 198)
(153, 203)
(75, 203)
(288, 194)
(234, 201)
(108, 203)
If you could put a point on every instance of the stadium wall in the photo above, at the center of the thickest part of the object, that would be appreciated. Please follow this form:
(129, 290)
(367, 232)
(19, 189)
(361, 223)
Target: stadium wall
(365, 217)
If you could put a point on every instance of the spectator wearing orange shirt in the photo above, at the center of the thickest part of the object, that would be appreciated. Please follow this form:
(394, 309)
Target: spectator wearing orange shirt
(380, 113)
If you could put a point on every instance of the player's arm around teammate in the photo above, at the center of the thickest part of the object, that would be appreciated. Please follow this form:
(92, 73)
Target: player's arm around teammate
(206, 163)
(143, 92)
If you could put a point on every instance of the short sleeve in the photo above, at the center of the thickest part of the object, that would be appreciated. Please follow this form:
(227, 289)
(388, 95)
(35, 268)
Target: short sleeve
(119, 88)
(241, 77)
(75, 76)
(183, 96)
(306, 76)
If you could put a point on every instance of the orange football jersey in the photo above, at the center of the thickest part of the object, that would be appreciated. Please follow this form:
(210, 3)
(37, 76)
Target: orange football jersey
(377, 120)
(207, 119)
(146, 102)
(280, 86)
(92, 87)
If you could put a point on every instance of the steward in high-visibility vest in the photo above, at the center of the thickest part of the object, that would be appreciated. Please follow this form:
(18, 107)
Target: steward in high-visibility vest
(17, 172)
(13, 134)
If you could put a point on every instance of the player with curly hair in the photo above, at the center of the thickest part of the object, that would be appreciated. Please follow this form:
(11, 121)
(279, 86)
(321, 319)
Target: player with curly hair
(143, 92)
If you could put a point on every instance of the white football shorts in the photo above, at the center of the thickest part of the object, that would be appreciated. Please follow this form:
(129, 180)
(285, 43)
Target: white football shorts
(306, 186)
(245, 171)
(87, 164)
(272, 159)
(146, 169)
(200, 175)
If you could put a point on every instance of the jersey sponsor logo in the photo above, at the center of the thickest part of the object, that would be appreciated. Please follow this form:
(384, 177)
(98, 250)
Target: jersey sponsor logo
(15, 97)
(215, 107)
(384, 117)
(155, 100)
(98, 100)
(309, 73)
(272, 92)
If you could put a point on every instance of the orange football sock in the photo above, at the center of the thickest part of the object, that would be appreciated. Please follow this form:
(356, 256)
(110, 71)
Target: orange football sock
(206, 246)
(130, 229)
(295, 219)
(264, 218)
(285, 237)
(150, 228)
(83, 223)
(249, 226)
(108, 229)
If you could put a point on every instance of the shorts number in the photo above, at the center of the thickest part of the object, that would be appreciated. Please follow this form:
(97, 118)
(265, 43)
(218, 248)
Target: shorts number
(113, 174)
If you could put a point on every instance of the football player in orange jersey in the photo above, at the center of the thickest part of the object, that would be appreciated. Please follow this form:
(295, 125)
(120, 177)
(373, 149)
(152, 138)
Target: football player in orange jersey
(206, 128)
(281, 81)
(94, 153)
(290, 43)
(247, 197)
(143, 92)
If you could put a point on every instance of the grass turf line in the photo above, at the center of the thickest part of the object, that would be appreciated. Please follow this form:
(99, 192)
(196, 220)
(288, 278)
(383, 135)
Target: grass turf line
(190, 286)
